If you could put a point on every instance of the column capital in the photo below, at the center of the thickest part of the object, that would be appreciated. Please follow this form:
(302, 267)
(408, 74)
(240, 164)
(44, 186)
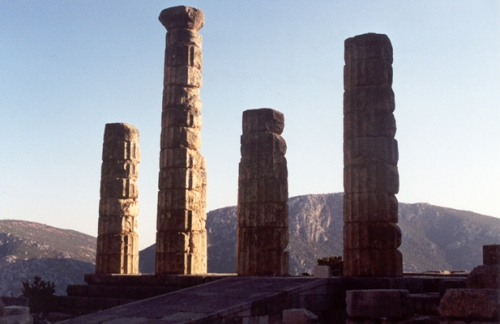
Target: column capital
(182, 17)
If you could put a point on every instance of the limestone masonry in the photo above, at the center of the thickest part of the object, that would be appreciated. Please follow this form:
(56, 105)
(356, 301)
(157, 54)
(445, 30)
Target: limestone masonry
(181, 239)
(371, 179)
(262, 232)
(118, 240)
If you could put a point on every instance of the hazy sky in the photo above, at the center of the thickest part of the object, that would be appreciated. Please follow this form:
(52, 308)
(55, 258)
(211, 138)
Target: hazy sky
(69, 67)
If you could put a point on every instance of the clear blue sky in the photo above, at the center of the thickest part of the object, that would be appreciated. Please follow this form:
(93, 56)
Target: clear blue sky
(69, 67)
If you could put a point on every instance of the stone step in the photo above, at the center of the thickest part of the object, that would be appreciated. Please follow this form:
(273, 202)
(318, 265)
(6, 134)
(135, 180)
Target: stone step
(425, 304)
(121, 292)
(77, 306)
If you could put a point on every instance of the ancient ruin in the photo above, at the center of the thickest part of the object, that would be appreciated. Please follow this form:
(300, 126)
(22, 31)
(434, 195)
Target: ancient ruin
(371, 179)
(118, 240)
(181, 237)
(262, 232)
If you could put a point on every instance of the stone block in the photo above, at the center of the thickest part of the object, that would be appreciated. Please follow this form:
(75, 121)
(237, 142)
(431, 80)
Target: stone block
(370, 150)
(181, 116)
(322, 271)
(181, 158)
(180, 137)
(371, 178)
(16, 310)
(182, 199)
(371, 235)
(120, 150)
(299, 316)
(368, 46)
(491, 254)
(180, 263)
(263, 120)
(180, 220)
(268, 166)
(181, 242)
(119, 244)
(177, 178)
(470, 303)
(119, 188)
(17, 319)
(373, 123)
(117, 225)
(377, 304)
(175, 95)
(262, 144)
(364, 99)
(187, 76)
(114, 263)
(183, 36)
(182, 54)
(264, 190)
(120, 132)
(119, 169)
(182, 17)
(118, 207)
(370, 207)
(262, 263)
(373, 263)
(366, 73)
(263, 238)
(484, 276)
(263, 214)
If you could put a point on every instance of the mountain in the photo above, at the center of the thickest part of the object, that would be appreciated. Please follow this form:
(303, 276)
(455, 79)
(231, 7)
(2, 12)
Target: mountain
(434, 238)
(30, 249)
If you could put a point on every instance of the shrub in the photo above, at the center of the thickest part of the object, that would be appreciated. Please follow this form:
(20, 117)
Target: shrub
(40, 293)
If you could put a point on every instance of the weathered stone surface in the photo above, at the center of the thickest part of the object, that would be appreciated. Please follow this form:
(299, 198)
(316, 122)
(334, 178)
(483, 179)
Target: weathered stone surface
(262, 263)
(268, 166)
(366, 99)
(367, 47)
(373, 263)
(262, 215)
(263, 120)
(2, 308)
(470, 303)
(484, 276)
(370, 207)
(299, 316)
(372, 150)
(17, 319)
(263, 190)
(383, 178)
(181, 235)
(491, 254)
(117, 240)
(262, 144)
(378, 303)
(263, 238)
(372, 235)
(369, 124)
(16, 310)
(366, 73)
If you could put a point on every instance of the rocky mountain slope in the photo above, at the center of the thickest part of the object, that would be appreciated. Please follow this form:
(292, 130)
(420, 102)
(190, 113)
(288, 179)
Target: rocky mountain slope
(30, 249)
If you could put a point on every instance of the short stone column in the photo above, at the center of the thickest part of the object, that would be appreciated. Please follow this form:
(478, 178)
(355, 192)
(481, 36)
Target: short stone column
(262, 232)
(117, 240)
(371, 179)
(181, 239)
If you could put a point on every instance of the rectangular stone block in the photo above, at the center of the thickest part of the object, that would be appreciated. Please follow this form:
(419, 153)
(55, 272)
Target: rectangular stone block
(370, 207)
(120, 132)
(373, 263)
(267, 166)
(264, 263)
(180, 263)
(118, 244)
(262, 144)
(373, 123)
(263, 214)
(181, 116)
(183, 55)
(181, 242)
(376, 304)
(187, 76)
(365, 73)
(180, 220)
(120, 169)
(119, 188)
(262, 238)
(117, 264)
(183, 36)
(364, 99)
(118, 207)
(370, 150)
(117, 225)
(371, 178)
(181, 158)
(120, 150)
(263, 190)
(491, 254)
(263, 120)
(177, 178)
(479, 304)
(175, 95)
(368, 46)
(371, 235)
(182, 199)
(180, 137)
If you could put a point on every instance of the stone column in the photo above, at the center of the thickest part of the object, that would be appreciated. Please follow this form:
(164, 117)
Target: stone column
(262, 233)
(371, 179)
(117, 240)
(181, 239)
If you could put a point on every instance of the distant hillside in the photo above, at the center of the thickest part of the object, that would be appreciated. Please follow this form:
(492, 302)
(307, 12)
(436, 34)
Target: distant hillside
(434, 238)
(28, 249)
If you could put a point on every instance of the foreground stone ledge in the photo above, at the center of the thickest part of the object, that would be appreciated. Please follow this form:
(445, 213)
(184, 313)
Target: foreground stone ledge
(485, 276)
(378, 303)
(470, 303)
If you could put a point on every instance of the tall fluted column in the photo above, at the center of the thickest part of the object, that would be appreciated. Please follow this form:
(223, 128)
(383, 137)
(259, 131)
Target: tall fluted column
(181, 239)
(117, 240)
(262, 233)
(371, 179)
